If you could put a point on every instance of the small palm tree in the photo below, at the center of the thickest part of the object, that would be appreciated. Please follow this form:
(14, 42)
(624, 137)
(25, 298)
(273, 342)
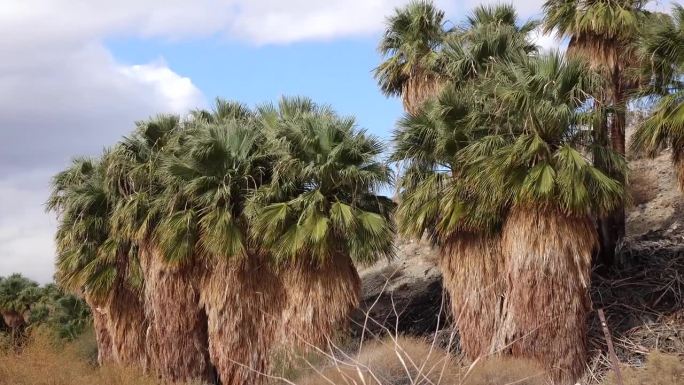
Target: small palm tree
(321, 213)
(604, 32)
(550, 191)
(411, 44)
(17, 294)
(663, 46)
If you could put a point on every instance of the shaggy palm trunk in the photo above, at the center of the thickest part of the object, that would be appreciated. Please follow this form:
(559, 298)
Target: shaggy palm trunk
(127, 326)
(417, 90)
(678, 160)
(244, 302)
(103, 337)
(177, 344)
(548, 275)
(320, 297)
(472, 267)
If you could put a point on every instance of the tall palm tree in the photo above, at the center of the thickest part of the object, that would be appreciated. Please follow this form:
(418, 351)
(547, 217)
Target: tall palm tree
(662, 46)
(604, 32)
(321, 213)
(410, 44)
(176, 335)
(432, 197)
(80, 202)
(550, 191)
(224, 160)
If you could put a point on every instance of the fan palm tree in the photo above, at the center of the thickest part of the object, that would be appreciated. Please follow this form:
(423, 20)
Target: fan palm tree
(177, 331)
(604, 32)
(224, 160)
(550, 191)
(663, 48)
(321, 213)
(432, 198)
(17, 294)
(82, 207)
(411, 44)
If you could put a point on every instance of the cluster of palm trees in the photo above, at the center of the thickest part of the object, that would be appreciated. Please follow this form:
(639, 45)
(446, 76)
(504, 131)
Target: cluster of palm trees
(24, 304)
(201, 244)
(513, 160)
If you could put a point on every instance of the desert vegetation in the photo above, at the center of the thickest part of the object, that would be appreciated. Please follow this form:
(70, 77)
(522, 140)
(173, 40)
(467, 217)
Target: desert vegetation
(202, 247)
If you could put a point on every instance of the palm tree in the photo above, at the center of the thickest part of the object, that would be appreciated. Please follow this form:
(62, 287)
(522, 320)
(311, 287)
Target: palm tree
(17, 294)
(80, 202)
(663, 48)
(321, 213)
(550, 191)
(605, 33)
(432, 197)
(224, 160)
(411, 44)
(176, 335)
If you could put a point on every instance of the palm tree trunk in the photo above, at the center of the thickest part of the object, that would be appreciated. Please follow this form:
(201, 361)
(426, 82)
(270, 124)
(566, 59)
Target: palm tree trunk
(177, 342)
(678, 160)
(103, 337)
(548, 276)
(320, 298)
(244, 302)
(417, 90)
(472, 267)
(127, 325)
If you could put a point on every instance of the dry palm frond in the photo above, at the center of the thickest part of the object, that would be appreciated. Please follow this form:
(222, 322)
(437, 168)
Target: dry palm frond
(472, 267)
(127, 326)
(177, 333)
(418, 89)
(320, 297)
(548, 277)
(244, 302)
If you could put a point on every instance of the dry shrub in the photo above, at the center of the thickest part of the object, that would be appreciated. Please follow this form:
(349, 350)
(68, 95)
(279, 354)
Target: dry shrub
(44, 362)
(472, 269)
(409, 361)
(643, 187)
(660, 369)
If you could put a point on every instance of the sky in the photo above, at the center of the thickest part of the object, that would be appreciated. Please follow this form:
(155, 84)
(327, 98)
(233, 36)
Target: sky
(76, 74)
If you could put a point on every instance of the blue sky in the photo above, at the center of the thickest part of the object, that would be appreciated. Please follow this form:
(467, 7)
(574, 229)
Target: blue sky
(337, 72)
(76, 74)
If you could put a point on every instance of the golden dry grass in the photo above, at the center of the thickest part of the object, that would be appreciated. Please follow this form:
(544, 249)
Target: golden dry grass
(41, 362)
(660, 369)
(409, 361)
(548, 288)
(472, 269)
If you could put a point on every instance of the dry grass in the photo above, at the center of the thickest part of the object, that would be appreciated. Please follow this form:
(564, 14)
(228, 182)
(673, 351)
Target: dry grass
(660, 369)
(548, 295)
(408, 361)
(472, 268)
(43, 362)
